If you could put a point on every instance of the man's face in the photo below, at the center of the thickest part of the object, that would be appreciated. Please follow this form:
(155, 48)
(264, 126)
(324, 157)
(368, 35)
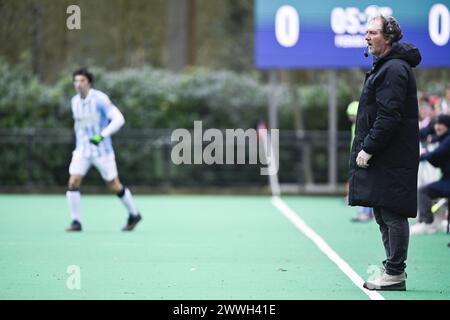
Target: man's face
(81, 84)
(378, 45)
(440, 129)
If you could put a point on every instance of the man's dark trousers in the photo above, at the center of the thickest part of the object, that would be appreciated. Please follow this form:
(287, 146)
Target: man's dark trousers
(395, 235)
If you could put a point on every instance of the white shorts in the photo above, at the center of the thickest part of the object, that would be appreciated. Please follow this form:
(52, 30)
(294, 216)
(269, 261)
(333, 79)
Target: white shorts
(106, 165)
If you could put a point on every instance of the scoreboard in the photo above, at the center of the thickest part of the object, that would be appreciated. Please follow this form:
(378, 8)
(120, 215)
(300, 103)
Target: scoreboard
(330, 33)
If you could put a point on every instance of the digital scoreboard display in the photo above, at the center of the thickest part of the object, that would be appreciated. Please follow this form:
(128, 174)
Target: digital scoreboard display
(330, 34)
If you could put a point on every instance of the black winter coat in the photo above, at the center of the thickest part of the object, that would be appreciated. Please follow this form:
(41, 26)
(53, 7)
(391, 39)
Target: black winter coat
(387, 126)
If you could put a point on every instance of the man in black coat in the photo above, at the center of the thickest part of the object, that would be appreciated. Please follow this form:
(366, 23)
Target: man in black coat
(440, 158)
(385, 152)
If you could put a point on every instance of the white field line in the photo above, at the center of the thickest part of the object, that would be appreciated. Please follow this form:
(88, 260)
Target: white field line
(323, 246)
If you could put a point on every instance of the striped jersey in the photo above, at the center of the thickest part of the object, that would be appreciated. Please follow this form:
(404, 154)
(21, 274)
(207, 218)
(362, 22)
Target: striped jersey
(90, 117)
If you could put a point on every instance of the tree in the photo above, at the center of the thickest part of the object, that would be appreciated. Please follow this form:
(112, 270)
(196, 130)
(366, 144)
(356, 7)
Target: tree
(180, 34)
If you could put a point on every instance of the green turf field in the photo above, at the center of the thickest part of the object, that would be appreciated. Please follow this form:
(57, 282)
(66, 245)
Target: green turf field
(200, 247)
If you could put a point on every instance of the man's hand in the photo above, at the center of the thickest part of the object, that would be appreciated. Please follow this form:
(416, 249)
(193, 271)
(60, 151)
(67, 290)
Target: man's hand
(362, 159)
(97, 139)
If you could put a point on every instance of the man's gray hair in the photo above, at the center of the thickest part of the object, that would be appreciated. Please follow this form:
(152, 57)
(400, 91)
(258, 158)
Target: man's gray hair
(390, 28)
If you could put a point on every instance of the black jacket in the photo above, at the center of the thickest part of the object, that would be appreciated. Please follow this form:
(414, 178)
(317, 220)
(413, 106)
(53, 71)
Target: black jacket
(387, 126)
(424, 133)
(440, 158)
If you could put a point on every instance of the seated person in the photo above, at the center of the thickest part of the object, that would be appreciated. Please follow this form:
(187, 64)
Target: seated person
(439, 157)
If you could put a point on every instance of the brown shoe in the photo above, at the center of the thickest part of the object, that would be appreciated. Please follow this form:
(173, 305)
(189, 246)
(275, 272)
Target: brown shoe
(132, 222)
(75, 226)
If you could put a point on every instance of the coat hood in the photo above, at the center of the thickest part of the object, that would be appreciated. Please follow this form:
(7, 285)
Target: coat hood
(405, 51)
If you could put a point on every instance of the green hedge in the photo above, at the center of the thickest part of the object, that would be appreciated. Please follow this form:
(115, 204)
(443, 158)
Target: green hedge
(149, 98)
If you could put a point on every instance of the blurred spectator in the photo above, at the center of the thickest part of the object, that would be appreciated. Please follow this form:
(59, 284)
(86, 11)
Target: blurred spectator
(427, 119)
(428, 113)
(445, 101)
(435, 101)
(440, 157)
(425, 111)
